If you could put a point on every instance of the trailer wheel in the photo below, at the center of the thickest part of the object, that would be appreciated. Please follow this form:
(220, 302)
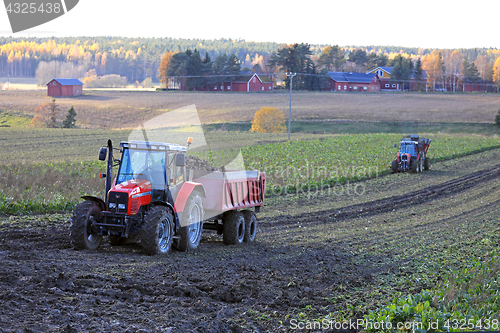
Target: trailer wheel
(82, 234)
(233, 228)
(250, 225)
(191, 224)
(394, 166)
(427, 163)
(157, 230)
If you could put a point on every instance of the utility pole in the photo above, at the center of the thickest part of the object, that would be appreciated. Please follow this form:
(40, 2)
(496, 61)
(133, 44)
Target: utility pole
(291, 75)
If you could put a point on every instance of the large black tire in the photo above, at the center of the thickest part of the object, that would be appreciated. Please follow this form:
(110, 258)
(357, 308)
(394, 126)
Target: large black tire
(233, 228)
(83, 236)
(250, 226)
(414, 166)
(157, 231)
(191, 224)
(427, 163)
(394, 166)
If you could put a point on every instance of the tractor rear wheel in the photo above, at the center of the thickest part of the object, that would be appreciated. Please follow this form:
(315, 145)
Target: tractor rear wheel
(250, 226)
(191, 224)
(82, 233)
(427, 163)
(233, 228)
(394, 166)
(157, 231)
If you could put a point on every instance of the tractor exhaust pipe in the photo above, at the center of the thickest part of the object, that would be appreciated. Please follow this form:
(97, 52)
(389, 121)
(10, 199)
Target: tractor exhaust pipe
(109, 170)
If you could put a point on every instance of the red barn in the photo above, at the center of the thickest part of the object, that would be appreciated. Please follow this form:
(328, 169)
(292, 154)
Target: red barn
(357, 82)
(243, 82)
(64, 88)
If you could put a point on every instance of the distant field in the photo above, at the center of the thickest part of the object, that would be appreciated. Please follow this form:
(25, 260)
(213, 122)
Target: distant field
(126, 109)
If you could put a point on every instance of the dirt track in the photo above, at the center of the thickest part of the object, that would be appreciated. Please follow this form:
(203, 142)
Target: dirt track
(330, 255)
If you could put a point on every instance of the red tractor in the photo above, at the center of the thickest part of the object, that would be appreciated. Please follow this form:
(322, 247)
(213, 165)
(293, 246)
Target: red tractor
(412, 155)
(156, 200)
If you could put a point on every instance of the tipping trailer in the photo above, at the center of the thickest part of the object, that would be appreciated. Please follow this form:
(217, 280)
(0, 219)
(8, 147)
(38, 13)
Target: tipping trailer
(412, 155)
(156, 200)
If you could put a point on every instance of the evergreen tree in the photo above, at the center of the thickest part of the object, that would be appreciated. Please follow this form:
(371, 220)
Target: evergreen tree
(70, 120)
(419, 76)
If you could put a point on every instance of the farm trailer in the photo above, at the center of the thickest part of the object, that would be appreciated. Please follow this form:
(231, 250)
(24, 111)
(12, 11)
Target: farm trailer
(412, 155)
(156, 200)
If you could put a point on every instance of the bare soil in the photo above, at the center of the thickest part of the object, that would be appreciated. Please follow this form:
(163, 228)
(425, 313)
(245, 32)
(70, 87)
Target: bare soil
(329, 255)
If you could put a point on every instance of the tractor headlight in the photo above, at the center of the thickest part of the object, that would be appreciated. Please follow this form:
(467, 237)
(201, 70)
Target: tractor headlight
(121, 206)
(112, 205)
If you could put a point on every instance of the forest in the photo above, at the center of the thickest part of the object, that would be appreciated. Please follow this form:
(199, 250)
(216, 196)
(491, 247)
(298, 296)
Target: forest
(139, 59)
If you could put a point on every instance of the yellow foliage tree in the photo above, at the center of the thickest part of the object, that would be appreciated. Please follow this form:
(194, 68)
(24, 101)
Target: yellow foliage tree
(269, 120)
(496, 73)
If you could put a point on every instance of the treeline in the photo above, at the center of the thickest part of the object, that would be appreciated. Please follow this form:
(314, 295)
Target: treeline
(139, 59)
(133, 58)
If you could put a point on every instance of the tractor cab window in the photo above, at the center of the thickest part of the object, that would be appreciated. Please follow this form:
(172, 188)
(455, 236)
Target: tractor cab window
(143, 164)
(407, 149)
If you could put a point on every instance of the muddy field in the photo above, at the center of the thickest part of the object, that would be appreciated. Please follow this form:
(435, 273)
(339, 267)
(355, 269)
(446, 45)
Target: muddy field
(317, 255)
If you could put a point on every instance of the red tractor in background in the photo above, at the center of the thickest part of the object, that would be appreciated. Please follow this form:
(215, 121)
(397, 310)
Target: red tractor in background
(412, 155)
(156, 200)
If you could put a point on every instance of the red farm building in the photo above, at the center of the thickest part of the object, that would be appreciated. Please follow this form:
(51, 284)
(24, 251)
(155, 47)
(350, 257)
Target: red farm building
(64, 88)
(357, 82)
(246, 82)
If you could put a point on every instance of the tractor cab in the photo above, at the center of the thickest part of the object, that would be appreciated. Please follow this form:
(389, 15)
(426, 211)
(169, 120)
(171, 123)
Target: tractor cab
(408, 147)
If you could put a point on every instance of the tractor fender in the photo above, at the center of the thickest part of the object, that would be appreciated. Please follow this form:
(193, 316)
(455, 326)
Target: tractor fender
(182, 196)
(99, 201)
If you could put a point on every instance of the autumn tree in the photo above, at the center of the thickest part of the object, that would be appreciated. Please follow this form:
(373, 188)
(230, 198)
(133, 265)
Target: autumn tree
(435, 69)
(269, 120)
(496, 73)
(163, 70)
(484, 67)
(453, 61)
(45, 115)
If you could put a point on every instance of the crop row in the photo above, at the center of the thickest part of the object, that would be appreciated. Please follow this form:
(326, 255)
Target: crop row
(58, 185)
(340, 159)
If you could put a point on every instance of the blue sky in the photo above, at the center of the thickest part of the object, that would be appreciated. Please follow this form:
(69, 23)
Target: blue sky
(428, 24)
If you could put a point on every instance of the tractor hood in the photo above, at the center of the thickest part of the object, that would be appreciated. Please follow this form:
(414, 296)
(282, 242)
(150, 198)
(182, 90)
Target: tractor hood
(129, 196)
(133, 186)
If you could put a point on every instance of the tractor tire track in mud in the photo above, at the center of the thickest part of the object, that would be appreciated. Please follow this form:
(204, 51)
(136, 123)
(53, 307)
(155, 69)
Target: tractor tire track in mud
(399, 201)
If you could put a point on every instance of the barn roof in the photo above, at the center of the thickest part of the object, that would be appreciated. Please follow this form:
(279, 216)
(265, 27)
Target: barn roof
(67, 82)
(351, 77)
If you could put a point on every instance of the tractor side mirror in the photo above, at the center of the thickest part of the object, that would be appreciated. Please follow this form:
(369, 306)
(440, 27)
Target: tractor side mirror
(180, 160)
(102, 153)
(395, 145)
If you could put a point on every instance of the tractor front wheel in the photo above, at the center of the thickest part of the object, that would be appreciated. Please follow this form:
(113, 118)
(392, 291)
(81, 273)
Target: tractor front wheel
(394, 166)
(157, 231)
(82, 232)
